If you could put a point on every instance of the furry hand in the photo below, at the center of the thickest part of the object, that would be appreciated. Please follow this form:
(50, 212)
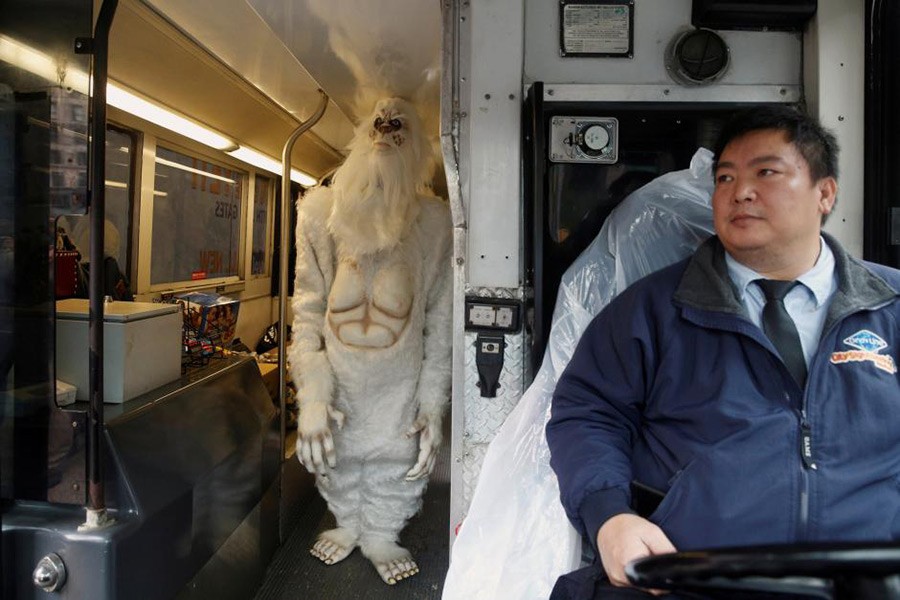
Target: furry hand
(429, 430)
(315, 446)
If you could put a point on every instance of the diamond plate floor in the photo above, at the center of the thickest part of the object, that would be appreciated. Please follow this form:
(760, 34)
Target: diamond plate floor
(294, 574)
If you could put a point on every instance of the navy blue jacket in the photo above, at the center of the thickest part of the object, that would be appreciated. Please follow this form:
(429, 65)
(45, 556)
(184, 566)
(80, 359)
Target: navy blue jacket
(673, 386)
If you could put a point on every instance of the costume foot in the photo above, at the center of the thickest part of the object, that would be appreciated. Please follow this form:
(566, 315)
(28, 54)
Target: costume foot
(394, 563)
(334, 545)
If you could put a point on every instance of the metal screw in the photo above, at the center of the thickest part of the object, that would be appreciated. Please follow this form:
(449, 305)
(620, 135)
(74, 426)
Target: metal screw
(550, 92)
(76, 487)
(783, 92)
(666, 92)
(840, 117)
(487, 96)
(74, 424)
(50, 573)
(460, 260)
(512, 96)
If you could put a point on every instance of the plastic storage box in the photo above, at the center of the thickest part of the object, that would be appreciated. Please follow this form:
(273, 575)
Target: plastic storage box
(141, 347)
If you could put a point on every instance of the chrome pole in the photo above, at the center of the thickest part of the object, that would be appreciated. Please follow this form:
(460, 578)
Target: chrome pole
(96, 509)
(285, 236)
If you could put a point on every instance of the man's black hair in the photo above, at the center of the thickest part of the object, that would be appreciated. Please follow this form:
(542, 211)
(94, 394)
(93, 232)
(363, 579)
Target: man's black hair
(815, 143)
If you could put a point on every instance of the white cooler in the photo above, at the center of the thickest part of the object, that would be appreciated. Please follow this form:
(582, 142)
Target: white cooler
(141, 347)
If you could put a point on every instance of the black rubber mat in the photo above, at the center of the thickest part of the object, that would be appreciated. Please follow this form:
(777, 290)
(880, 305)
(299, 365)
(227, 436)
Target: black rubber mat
(294, 574)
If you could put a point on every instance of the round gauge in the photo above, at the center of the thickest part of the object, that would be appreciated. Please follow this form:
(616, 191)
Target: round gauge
(596, 137)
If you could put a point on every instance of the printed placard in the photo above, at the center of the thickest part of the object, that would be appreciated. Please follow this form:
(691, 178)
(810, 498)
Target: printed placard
(594, 29)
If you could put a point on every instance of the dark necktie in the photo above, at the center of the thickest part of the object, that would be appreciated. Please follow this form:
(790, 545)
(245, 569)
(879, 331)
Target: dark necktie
(780, 328)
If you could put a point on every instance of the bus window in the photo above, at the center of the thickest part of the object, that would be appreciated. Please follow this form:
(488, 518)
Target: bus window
(262, 201)
(120, 148)
(197, 210)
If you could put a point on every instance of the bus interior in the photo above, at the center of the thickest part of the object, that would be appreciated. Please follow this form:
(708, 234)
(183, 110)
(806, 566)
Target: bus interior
(170, 141)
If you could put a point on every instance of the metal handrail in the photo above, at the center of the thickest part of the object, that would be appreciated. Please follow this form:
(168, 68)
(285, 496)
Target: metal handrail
(285, 236)
(96, 506)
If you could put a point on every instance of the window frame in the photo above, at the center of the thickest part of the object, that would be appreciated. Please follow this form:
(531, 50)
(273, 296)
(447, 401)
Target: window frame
(229, 283)
(148, 136)
(274, 181)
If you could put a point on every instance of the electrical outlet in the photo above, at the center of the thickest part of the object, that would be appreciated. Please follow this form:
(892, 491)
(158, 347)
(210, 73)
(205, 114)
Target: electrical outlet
(491, 314)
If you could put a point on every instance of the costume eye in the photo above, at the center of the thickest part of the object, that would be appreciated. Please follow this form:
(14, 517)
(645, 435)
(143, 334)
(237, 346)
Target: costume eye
(378, 122)
(395, 123)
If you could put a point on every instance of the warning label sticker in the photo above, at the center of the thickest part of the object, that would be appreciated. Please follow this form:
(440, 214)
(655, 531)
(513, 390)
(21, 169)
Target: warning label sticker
(596, 29)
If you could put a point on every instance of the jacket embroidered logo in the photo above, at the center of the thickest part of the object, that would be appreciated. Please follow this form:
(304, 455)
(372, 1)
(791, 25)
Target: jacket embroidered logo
(867, 345)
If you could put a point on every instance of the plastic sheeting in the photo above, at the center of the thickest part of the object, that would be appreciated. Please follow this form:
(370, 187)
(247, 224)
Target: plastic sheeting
(516, 540)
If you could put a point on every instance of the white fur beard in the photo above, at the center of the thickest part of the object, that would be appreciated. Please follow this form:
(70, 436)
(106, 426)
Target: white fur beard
(375, 202)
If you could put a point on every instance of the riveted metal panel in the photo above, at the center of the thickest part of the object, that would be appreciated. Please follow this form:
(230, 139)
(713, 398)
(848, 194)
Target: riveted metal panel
(757, 57)
(490, 153)
(471, 461)
(481, 417)
(484, 416)
(834, 82)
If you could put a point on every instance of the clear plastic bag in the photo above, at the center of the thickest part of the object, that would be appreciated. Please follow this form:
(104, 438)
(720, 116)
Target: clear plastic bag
(516, 540)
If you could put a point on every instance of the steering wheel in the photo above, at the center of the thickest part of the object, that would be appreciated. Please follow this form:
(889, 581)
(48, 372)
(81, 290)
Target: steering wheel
(837, 570)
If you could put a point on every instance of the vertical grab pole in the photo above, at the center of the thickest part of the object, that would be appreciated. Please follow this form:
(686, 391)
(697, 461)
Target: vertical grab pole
(96, 509)
(285, 236)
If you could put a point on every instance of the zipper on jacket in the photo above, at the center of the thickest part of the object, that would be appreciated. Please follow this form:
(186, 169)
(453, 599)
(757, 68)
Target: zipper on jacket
(806, 443)
(804, 505)
(809, 464)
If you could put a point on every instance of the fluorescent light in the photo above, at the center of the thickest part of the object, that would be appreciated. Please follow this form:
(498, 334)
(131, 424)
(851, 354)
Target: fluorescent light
(38, 63)
(130, 103)
(267, 163)
(42, 65)
(176, 165)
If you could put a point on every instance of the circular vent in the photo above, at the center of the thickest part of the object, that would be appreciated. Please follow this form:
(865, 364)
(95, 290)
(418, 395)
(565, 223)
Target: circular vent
(697, 57)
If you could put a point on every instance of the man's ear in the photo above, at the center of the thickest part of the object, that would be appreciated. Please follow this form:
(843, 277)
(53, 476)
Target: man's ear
(828, 188)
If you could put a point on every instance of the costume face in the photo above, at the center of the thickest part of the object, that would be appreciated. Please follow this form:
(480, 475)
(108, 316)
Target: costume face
(766, 207)
(389, 128)
(375, 188)
(387, 131)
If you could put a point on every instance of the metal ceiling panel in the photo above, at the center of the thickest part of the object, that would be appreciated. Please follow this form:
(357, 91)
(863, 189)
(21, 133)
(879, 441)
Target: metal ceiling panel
(359, 50)
(235, 34)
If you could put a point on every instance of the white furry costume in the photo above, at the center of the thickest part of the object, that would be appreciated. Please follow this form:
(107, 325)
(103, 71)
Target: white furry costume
(371, 332)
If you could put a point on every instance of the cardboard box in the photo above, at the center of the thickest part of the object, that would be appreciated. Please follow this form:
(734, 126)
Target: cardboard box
(212, 316)
(141, 347)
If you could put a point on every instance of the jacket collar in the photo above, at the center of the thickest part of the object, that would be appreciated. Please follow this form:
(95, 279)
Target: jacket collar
(705, 284)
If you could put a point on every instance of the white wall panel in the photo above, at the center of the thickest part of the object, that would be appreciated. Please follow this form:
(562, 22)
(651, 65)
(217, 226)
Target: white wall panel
(834, 80)
(756, 57)
(490, 111)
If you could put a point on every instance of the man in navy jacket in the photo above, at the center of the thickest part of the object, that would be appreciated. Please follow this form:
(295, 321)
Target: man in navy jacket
(684, 384)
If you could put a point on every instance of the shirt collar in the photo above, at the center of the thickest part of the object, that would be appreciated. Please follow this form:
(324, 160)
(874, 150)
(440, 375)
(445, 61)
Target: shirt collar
(818, 280)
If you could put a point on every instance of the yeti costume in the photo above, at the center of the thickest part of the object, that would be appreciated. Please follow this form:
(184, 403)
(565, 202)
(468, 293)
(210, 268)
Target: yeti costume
(371, 352)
